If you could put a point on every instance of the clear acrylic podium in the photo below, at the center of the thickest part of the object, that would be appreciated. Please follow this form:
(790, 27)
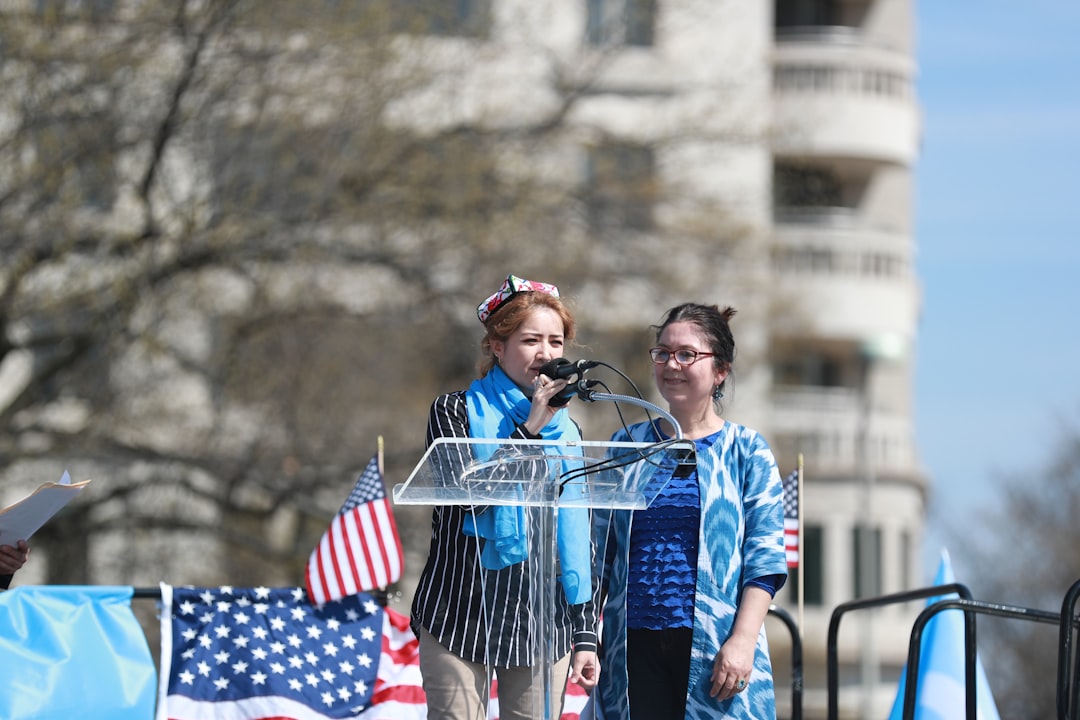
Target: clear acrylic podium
(542, 476)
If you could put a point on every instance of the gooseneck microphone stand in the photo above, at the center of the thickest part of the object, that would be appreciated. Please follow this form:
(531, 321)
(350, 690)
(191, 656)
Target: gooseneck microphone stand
(590, 396)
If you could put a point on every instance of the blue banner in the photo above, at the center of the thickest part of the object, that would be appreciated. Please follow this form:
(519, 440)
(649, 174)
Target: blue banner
(941, 691)
(73, 652)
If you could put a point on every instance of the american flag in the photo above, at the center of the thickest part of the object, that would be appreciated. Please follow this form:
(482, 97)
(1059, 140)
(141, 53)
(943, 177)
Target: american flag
(573, 702)
(791, 518)
(361, 550)
(399, 688)
(268, 653)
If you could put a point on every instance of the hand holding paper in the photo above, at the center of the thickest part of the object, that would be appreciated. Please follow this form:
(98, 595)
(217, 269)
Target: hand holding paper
(12, 557)
(22, 519)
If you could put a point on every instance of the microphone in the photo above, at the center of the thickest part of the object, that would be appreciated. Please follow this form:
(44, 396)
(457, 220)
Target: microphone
(571, 372)
(563, 369)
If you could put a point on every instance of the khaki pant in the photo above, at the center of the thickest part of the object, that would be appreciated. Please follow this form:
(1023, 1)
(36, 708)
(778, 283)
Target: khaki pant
(457, 689)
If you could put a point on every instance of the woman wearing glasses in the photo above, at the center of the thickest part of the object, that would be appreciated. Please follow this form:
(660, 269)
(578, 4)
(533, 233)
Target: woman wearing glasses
(689, 580)
(471, 608)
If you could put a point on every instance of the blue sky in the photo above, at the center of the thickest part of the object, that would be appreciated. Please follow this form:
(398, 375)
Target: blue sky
(998, 235)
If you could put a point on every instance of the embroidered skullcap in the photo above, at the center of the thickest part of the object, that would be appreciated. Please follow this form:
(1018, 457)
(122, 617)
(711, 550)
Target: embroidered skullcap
(511, 287)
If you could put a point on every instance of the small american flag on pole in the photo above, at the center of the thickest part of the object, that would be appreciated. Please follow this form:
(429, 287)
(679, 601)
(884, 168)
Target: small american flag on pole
(791, 518)
(361, 550)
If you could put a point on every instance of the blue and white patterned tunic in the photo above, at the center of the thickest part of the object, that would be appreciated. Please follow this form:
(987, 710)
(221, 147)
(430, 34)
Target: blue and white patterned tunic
(741, 537)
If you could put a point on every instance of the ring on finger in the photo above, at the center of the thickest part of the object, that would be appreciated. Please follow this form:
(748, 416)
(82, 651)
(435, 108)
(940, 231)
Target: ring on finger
(740, 685)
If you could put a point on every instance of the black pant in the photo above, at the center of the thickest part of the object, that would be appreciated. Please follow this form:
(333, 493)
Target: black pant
(658, 667)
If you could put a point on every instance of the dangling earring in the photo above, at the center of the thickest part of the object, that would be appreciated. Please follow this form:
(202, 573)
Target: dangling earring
(717, 393)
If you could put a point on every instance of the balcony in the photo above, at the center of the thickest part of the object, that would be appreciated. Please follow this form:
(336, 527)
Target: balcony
(824, 424)
(835, 241)
(839, 35)
(861, 278)
(838, 95)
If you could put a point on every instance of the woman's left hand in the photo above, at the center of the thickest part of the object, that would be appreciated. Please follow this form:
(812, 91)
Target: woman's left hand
(732, 668)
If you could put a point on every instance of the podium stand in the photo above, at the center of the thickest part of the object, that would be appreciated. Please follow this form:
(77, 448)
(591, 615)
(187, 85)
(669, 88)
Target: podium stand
(542, 476)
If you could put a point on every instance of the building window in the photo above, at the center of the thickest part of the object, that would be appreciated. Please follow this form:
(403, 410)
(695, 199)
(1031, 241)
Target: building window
(621, 187)
(465, 18)
(258, 170)
(453, 176)
(77, 159)
(799, 186)
(620, 22)
(87, 10)
(866, 586)
(810, 566)
(805, 13)
(372, 18)
(810, 369)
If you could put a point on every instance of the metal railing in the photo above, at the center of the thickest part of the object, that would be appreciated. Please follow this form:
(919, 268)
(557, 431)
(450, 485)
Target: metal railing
(1068, 678)
(1068, 675)
(833, 658)
(796, 659)
(970, 608)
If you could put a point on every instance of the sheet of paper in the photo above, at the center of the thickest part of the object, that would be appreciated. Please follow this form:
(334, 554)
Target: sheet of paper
(22, 519)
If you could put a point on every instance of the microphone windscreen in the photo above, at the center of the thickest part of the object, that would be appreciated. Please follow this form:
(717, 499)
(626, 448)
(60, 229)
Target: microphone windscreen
(558, 368)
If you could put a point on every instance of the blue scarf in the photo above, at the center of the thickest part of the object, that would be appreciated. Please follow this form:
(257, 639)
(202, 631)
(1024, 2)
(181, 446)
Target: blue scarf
(496, 407)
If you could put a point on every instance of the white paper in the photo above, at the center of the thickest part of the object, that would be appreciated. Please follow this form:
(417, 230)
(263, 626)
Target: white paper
(22, 519)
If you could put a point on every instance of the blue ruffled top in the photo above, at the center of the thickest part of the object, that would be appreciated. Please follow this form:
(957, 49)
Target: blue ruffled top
(663, 558)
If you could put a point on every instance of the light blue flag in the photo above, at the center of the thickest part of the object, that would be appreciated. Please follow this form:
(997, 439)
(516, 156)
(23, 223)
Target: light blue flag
(941, 693)
(73, 652)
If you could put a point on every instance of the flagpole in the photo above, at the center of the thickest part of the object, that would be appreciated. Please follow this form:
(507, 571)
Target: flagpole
(381, 472)
(382, 588)
(802, 569)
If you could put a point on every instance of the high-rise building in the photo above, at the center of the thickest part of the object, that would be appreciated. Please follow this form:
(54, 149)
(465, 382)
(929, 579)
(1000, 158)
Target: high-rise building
(847, 126)
(741, 152)
(762, 156)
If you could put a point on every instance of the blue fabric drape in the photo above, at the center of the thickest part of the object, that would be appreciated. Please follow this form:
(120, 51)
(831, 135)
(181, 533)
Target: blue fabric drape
(74, 652)
(497, 406)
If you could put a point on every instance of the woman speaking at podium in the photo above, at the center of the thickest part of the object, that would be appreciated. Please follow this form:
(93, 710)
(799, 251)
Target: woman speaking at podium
(690, 579)
(470, 610)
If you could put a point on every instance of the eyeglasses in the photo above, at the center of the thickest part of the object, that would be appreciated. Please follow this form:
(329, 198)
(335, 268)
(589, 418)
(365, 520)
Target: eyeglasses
(661, 355)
